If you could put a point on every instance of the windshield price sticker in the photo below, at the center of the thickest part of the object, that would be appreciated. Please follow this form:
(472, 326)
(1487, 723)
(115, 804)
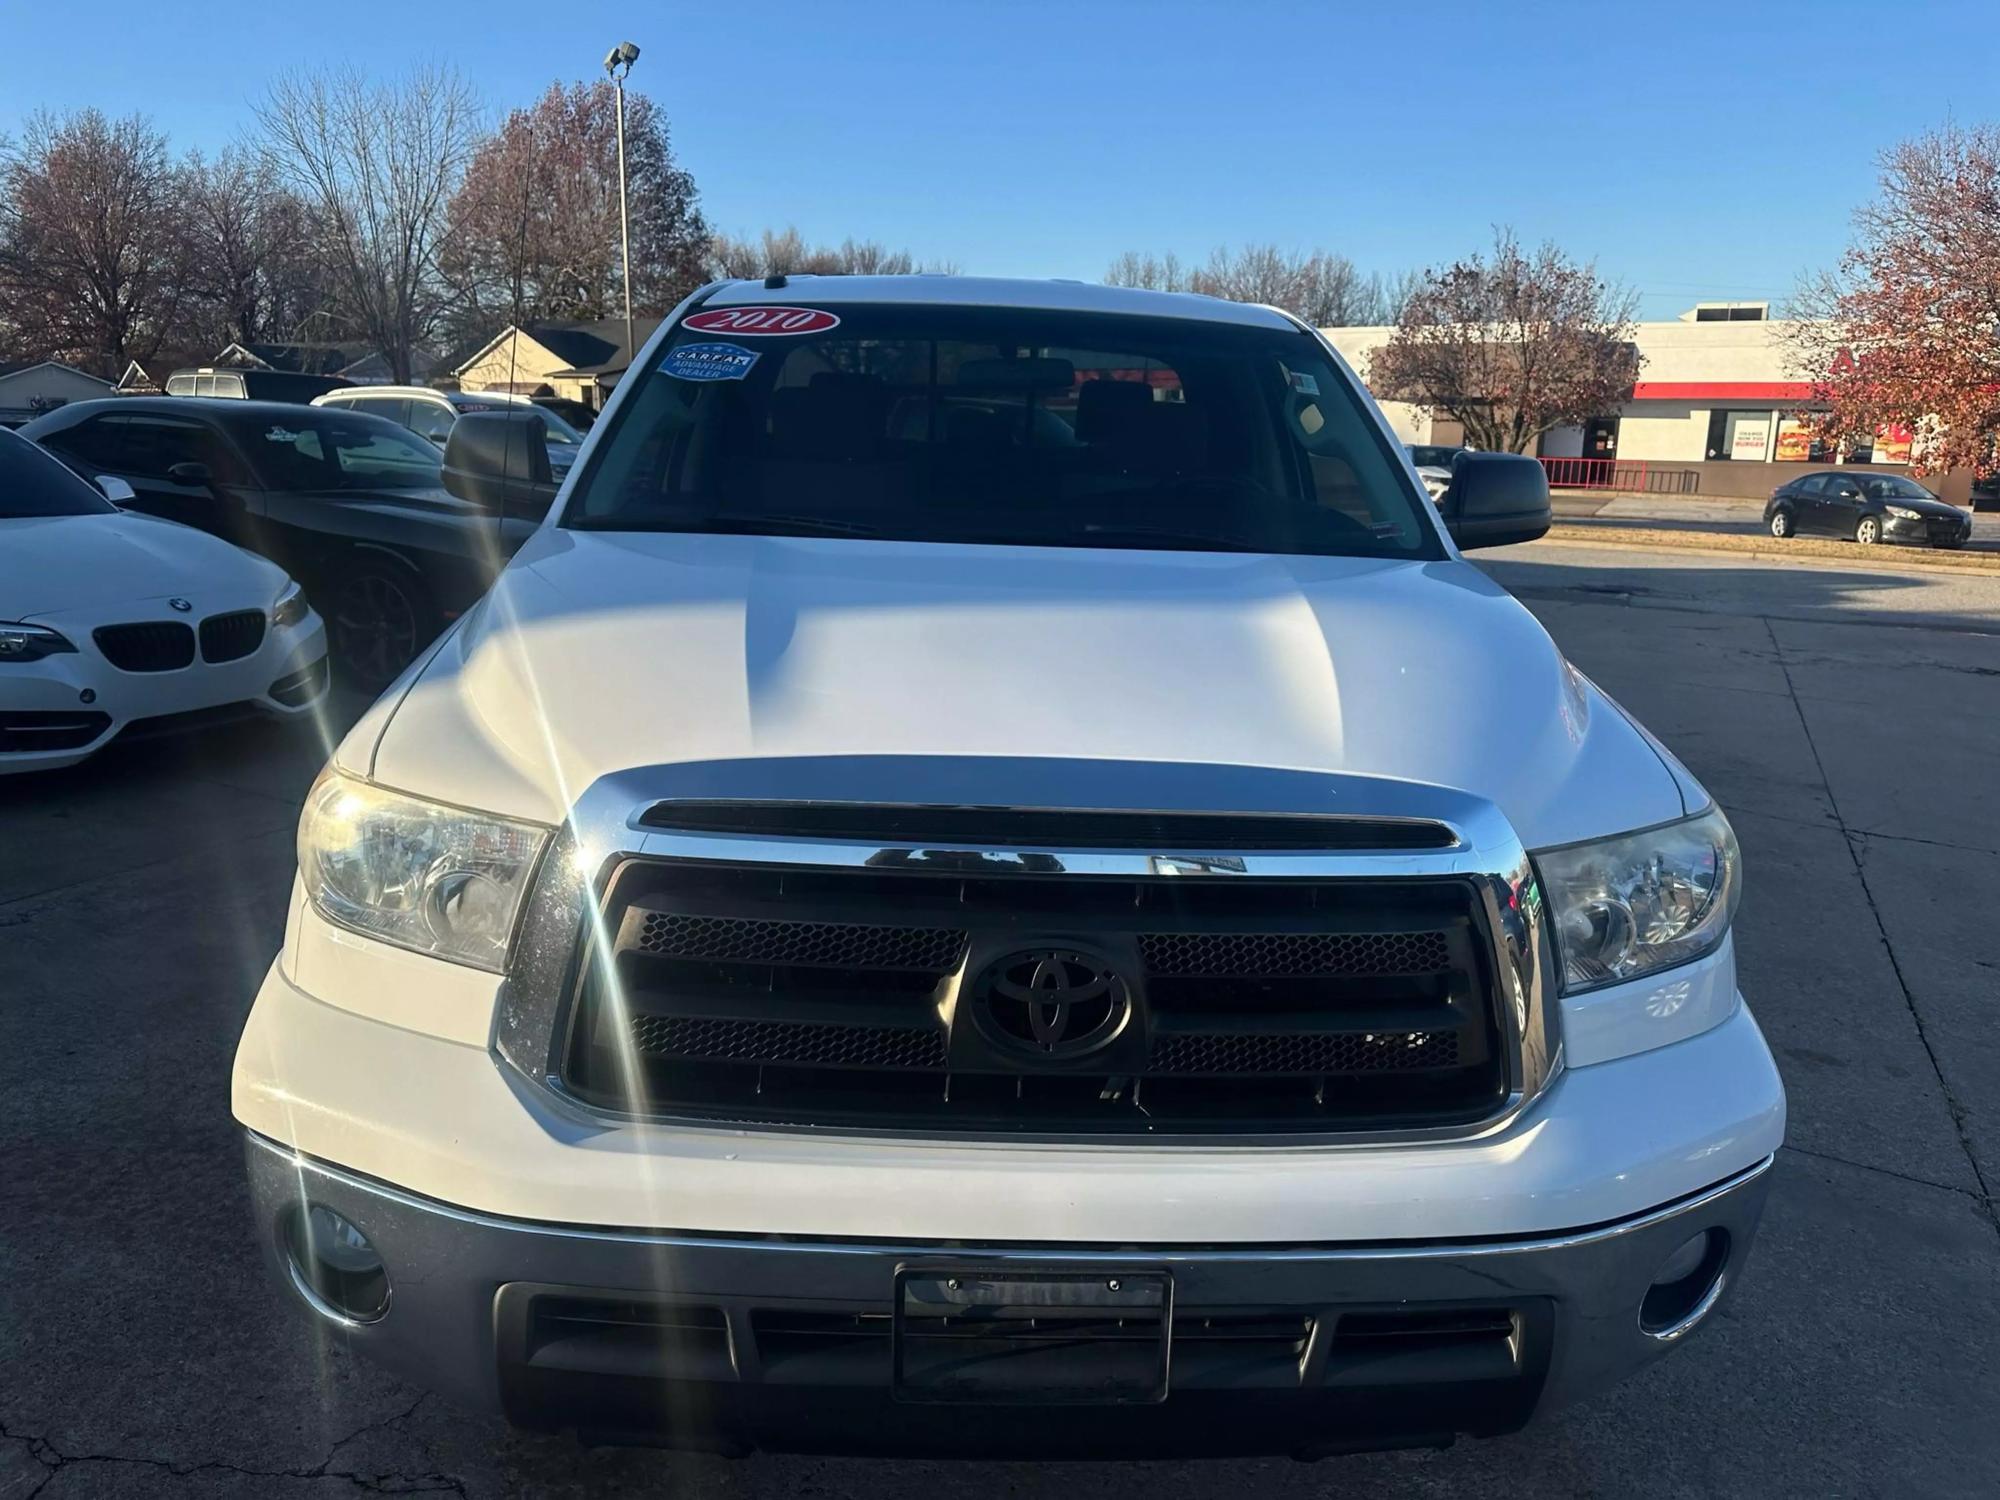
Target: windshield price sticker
(708, 362)
(761, 322)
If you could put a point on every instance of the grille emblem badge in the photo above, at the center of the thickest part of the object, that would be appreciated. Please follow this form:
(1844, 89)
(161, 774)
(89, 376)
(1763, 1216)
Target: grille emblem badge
(181, 605)
(1051, 1003)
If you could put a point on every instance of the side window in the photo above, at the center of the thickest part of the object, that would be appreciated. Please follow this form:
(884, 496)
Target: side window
(1813, 486)
(93, 444)
(391, 408)
(431, 419)
(204, 385)
(154, 445)
(181, 385)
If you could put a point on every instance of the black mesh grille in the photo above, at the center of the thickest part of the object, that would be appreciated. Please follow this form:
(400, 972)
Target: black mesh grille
(830, 1046)
(232, 637)
(1341, 1052)
(1279, 954)
(155, 646)
(837, 945)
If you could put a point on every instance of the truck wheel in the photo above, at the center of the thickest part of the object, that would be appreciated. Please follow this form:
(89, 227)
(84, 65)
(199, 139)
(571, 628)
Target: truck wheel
(1781, 524)
(1868, 530)
(381, 616)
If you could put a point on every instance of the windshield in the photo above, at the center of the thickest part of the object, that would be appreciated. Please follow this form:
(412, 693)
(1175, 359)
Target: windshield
(1431, 456)
(325, 448)
(1895, 487)
(34, 484)
(559, 433)
(1016, 427)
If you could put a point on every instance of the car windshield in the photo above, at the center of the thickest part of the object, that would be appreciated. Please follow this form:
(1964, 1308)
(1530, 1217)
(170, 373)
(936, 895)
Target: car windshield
(34, 484)
(324, 448)
(1004, 426)
(1431, 456)
(559, 433)
(1895, 487)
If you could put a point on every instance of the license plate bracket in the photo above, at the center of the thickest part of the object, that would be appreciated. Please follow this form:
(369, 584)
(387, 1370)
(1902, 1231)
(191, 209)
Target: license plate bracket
(986, 1335)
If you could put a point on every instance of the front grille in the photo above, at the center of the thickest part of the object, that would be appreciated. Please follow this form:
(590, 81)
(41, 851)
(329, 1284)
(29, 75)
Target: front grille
(867, 999)
(232, 637)
(153, 646)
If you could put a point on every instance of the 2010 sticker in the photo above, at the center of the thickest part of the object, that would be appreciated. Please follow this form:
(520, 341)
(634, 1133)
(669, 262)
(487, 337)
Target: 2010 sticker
(708, 362)
(761, 321)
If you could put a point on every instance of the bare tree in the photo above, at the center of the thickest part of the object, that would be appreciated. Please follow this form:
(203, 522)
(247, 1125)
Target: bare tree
(252, 272)
(786, 252)
(92, 252)
(1511, 345)
(378, 163)
(1323, 288)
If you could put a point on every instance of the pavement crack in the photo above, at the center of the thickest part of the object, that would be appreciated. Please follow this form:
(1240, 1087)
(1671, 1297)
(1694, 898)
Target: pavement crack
(1911, 1178)
(1856, 846)
(55, 1460)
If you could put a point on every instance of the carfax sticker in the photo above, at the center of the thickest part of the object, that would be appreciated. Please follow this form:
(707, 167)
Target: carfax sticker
(708, 362)
(761, 321)
(1304, 384)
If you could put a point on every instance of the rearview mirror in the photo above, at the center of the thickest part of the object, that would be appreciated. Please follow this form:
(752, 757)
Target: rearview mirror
(116, 490)
(1496, 499)
(498, 460)
(188, 473)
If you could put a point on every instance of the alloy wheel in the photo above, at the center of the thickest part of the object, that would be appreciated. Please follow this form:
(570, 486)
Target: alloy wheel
(375, 627)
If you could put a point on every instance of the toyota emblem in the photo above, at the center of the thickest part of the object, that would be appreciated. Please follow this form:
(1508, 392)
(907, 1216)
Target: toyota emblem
(180, 605)
(1051, 1003)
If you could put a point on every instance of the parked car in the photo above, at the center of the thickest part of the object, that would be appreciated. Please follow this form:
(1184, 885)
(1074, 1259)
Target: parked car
(576, 413)
(1867, 506)
(350, 504)
(866, 914)
(430, 414)
(252, 385)
(113, 623)
(1433, 463)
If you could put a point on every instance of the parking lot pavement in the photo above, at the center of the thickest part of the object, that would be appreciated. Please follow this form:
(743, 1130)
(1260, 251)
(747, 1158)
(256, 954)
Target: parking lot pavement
(1739, 517)
(1849, 722)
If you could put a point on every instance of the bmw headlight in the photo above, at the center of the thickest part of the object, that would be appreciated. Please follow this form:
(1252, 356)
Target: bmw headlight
(436, 879)
(1632, 905)
(291, 606)
(30, 643)
(1904, 513)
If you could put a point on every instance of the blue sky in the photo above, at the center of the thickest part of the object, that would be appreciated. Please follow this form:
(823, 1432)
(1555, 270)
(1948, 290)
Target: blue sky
(1694, 150)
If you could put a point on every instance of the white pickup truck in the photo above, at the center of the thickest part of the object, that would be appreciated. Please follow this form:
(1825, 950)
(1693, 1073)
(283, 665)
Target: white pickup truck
(990, 882)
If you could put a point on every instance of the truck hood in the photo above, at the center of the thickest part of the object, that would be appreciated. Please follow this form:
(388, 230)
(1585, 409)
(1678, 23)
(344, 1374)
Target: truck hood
(599, 652)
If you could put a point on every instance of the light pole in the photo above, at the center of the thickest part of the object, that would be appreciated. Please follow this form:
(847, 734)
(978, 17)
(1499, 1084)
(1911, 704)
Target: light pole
(618, 63)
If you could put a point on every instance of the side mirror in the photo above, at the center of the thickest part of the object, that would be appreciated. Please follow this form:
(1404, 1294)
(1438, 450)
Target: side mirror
(1496, 499)
(116, 490)
(189, 473)
(498, 460)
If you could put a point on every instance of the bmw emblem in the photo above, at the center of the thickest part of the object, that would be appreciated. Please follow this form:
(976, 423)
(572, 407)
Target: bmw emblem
(182, 605)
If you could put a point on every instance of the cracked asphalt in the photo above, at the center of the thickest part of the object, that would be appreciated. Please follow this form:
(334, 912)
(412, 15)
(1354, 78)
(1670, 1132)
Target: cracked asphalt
(1847, 717)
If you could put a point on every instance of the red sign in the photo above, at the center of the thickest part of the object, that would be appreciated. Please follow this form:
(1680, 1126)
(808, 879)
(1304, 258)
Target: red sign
(759, 321)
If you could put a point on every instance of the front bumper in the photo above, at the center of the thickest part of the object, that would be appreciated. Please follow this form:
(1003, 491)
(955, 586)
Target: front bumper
(1930, 531)
(741, 1342)
(285, 677)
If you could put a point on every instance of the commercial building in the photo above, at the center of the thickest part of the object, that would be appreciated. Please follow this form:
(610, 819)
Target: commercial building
(1716, 409)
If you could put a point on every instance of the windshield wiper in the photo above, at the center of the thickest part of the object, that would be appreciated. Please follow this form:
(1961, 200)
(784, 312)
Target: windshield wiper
(1220, 541)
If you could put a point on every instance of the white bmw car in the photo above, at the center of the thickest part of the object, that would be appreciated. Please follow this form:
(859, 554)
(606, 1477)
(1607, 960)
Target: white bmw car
(113, 622)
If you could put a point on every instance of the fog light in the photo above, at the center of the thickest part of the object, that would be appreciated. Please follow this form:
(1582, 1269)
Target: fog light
(1687, 1285)
(335, 1266)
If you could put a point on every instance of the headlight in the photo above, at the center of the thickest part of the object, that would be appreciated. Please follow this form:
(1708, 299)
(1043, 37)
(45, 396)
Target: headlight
(1641, 902)
(1904, 513)
(30, 643)
(291, 606)
(436, 879)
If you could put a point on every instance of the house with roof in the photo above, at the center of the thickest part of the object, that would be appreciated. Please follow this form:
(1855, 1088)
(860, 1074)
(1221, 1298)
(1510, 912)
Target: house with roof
(29, 387)
(581, 361)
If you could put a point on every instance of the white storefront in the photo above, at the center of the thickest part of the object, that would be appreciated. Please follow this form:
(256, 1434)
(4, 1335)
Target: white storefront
(1715, 386)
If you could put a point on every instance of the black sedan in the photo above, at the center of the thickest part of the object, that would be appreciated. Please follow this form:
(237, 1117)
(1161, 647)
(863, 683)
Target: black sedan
(1867, 506)
(351, 505)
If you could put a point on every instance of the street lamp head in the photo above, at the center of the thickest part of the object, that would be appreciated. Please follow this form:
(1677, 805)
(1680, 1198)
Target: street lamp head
(625, 54)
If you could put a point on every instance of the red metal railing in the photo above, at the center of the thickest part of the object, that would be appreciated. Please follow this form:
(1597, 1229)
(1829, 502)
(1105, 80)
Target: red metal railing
(1621, 474)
